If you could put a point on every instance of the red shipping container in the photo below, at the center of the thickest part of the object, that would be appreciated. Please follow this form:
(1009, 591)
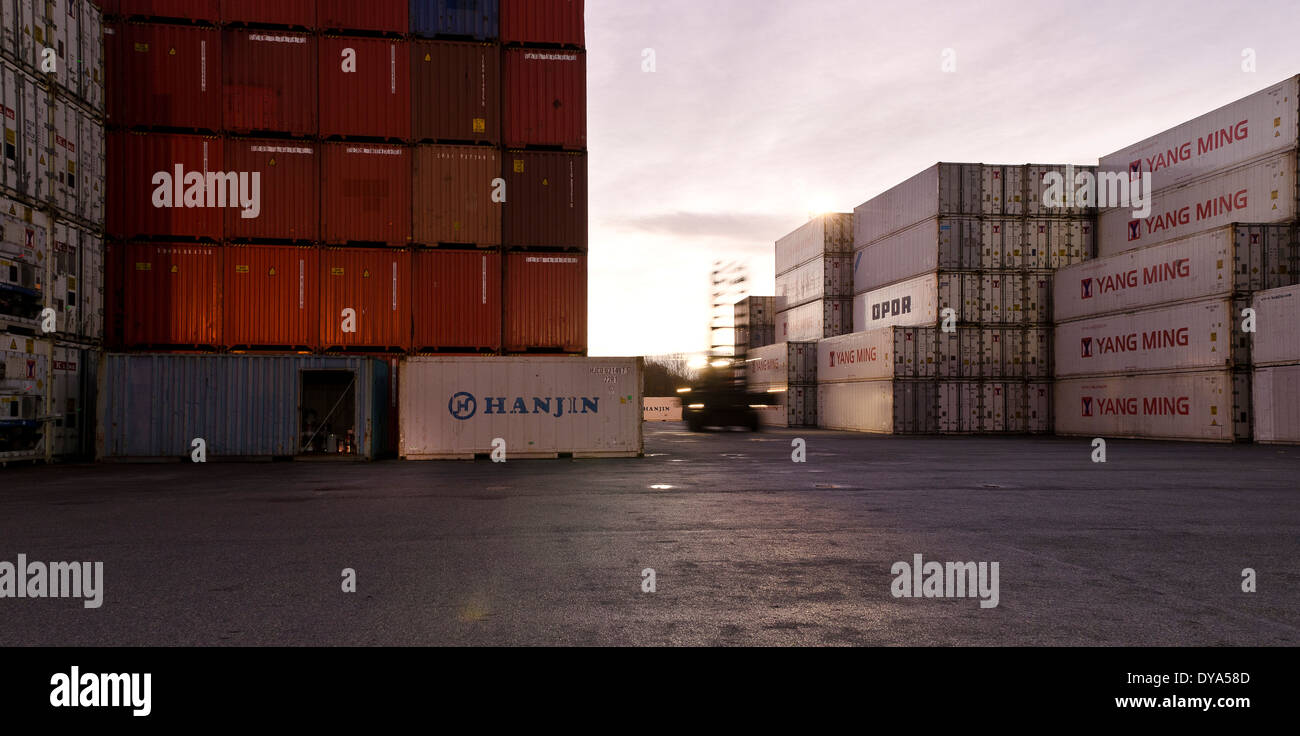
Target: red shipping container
(546, 302)
(270, 81)
(144, 198)
(164, 76)
(365, 87)
(271, 296)
(202, 10)
(457, 300)
(546, 98)
(387, 16)
(172, 295)
(455, 92)
(297, 13)
(557, 22)
(366, 193)
(546, 200)
(375, 285)
(289, 172)
(452, 191)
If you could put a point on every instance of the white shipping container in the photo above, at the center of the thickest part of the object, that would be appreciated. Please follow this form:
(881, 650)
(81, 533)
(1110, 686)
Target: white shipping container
(986, 297)
(1189, 336)
(662, 409)
(21, 31)
(1276, 339)
(939, 243)
(90, 170)
(815, 320)
(65, 25)
(92, 56)
(74, 373)
(76, 292)
(1209, 406)
(829, 234)
(541, 406)
(1277, 404)
(825, 277)
(782, 364)
(1036, 176)
(1052, 244)
(25, 111)
(881, 407)
(1230, 260)
(858, 356)
(753, 311)
(1250, 128)
(1260, 192)
(930, 352)
(23, 256)
(24, 365)
(790, 406)
(928, 407)
(942, 189)
(67, 146)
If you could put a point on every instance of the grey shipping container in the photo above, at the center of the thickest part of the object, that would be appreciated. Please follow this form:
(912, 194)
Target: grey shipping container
(755, 310)
(935, 407)
(829, 234)
(824, 277)
(242, 407)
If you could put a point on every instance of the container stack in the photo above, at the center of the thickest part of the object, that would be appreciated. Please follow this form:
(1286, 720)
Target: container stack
(1150, 338)
(52, 213)
(1276, 376)
(755, 324)
(814, 279)
(966, 254)
(787, 373)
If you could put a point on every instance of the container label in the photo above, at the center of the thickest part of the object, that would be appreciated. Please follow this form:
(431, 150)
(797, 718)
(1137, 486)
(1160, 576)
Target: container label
(144, 266)
(480, 125)
(519, 166)
(335, 271)
(241, 269)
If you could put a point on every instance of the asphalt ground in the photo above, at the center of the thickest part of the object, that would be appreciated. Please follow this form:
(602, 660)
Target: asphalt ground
(747, 547)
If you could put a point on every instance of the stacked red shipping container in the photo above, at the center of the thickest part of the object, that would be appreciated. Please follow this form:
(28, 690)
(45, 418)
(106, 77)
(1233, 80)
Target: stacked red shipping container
(334, 176)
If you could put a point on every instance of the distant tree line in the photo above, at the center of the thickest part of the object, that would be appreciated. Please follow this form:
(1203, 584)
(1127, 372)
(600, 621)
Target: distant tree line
(663, 379)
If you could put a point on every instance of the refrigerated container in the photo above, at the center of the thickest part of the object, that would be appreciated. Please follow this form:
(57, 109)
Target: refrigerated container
(456, 301)
(1277, 404)
(782, 364)
(91, 60)
(384, 16)
(996, 297)
(289, 172)
(815, 320)
(546, 302)
(365, 299)
(453, 195)
(76, 285)
(140, 207)
(478, 19)
(166, 76)
(1212, 406)
(526, 407)
(365, 88)
(825, 277)
(1276, 339)
(366, 193)
(1190, 336)
(550, 22)
(25, 107)
(24, 251)
(930, 352)
(92, 182)
(545, 98)
(172, 295)
(18, 39)
(546, 200)
(295, 13)
(1250, 128)
(241, 406)
(270, 82)
(456, 88)
(71, 427)
(63, 27)
(270, 296)
(935, 407)
(1263, 191)
(829, 234)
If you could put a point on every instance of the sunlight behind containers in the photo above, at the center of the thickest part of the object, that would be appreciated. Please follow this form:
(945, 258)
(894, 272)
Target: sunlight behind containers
(244, 407)
(541, 407)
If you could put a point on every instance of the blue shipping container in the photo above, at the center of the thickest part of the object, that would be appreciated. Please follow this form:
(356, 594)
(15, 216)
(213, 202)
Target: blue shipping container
(462, 18)
(243, 406)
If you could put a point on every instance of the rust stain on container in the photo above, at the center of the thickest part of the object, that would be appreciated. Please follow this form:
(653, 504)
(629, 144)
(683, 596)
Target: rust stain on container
(456, 92)
(366, 193)
(270, 81)
(546, 302)
(289, 172)
(546, 98)
(375, 284)
(457, 300)
(365, 87)
(453, 189)
(172, 295)
(271, 296)
(547, 199)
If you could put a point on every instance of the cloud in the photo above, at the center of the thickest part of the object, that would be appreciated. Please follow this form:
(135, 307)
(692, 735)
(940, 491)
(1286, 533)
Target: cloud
(751, 228)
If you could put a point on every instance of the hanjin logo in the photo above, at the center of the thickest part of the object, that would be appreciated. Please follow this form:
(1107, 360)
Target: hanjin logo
(1087, 406)
(1086, 347)
(462, 405)
(1085, 286)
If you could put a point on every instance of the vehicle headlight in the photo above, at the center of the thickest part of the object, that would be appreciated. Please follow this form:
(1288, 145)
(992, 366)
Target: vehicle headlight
(695, 406)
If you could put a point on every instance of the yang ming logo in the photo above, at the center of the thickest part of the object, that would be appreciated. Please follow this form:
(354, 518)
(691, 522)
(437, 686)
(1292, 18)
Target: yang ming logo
(462, 405)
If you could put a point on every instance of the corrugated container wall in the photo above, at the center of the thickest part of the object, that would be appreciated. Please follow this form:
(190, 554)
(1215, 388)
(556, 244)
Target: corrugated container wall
(478, 19)
(270, 296)
(1192, 336)
(1277, 404)
(830, 234)
(551, 22)
(134, 199)
(385, 16)
(295, 13)
(289, 190)
(452, 192)
(546, 204)
(270, 82)
(172, 295)
(366, 193)
(826, 277)
(18, 41)
(1265, 122)
(166, 76)
(1276, 340)
(546, 303)
(457, 90)
(190, 10)
(1212, 406)
(540, 406)
(815, 320)
(365, 299)
(546, 98)
(245, 406)
(365, 88)
(456, 300)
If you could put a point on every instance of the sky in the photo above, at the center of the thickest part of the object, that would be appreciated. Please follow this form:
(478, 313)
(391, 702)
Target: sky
(761, 113)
